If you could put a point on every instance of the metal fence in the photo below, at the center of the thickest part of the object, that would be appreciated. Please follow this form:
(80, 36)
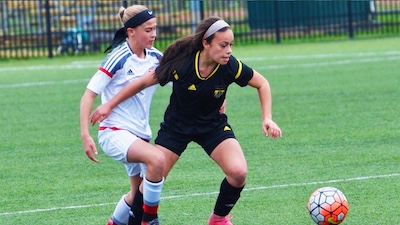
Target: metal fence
(35, 28)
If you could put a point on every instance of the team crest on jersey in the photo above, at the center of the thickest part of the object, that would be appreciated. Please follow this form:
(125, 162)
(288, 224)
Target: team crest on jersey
(218, 92)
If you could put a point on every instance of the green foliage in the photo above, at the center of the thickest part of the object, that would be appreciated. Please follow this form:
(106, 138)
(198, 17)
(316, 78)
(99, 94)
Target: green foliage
(336, 102)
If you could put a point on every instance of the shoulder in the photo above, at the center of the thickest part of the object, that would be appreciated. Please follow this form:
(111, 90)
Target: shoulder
(186, 65)
(119, 55)
(155, 53)
(234, 62)
(240, 72)
(234, 65)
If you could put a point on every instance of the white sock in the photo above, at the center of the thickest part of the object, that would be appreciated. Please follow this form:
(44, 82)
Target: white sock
(152, 192)
(121, 212)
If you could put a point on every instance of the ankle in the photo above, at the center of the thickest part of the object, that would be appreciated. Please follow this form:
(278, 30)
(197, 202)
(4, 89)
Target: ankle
(215, 217)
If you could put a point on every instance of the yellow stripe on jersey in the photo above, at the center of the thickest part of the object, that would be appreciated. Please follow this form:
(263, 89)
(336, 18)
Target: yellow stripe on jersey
(175, 75)
(239, 69)
(197, 69)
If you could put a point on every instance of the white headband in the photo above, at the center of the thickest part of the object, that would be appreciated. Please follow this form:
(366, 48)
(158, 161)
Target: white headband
(218, 25)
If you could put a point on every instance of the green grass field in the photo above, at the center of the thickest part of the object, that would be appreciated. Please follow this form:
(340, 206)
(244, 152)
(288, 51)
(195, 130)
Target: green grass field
(337, 103)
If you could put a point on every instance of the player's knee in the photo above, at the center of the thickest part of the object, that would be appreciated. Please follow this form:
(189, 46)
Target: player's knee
(239, 174)
(157, 162)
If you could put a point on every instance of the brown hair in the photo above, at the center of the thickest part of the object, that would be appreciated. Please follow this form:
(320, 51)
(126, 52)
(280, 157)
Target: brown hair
(183, 48)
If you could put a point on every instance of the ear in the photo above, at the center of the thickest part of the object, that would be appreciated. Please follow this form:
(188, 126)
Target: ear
(206, 45)
(130, 31)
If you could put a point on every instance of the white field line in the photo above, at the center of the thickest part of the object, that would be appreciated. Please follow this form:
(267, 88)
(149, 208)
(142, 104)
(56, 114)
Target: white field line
(96, 64)
(365, 57)
(213, 193)
(58, 67)
(331, 63)
(42, 83)
(74, 65)
(325, 56)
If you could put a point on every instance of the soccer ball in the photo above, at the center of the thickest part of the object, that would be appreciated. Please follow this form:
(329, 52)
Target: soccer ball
(327, 206)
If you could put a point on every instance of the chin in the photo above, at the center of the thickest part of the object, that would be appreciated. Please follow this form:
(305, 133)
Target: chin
(224, 61)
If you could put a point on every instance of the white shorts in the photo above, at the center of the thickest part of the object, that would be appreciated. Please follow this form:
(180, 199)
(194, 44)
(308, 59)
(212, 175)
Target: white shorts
(115, 143)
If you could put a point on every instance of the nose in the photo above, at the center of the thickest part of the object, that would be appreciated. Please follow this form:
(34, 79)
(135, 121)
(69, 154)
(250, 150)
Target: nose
(229, 49)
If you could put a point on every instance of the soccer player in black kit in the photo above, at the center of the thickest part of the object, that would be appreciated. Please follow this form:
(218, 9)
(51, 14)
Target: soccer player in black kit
(201, 68)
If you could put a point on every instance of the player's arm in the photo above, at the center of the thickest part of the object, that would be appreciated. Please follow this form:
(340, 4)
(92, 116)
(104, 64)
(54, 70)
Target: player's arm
(264, 93)
(222, 109)
(131, 89)
(86, 105)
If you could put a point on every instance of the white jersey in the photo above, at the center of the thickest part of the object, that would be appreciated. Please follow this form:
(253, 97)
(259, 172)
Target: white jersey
(119, 68)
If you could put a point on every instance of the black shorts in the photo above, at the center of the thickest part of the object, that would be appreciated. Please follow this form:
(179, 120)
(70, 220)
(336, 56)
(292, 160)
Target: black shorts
(177, 142)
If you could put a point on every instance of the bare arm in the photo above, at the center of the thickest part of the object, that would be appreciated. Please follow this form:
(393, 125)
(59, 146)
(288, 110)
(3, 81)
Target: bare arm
(264, 93)
(131, 89)
(85, 108)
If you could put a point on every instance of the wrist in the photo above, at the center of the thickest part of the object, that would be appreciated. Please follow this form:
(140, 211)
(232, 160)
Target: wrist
(85, 135)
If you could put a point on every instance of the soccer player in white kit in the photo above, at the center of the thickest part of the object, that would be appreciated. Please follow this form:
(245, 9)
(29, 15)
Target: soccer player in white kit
(125, 134)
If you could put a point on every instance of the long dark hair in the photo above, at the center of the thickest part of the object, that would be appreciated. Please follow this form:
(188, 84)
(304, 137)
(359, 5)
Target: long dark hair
(183, 48)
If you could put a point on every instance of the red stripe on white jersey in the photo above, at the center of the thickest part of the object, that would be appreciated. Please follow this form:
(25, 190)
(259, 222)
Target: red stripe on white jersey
(106, 72)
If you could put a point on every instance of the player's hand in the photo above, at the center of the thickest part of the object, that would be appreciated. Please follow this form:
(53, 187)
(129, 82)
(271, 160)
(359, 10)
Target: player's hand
(270, 128)
(100, 113)
(90, 148)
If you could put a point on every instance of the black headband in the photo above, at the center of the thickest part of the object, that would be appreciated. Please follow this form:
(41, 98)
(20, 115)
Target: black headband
(137, 20)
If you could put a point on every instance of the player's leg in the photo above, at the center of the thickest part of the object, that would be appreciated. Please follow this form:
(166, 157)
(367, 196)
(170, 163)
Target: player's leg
(127, 148)
(136, 213)
(121, 213)
(141, 151)
(170, 159)
(229, 156)
(172, 145)
(116, 144)
(137, 205)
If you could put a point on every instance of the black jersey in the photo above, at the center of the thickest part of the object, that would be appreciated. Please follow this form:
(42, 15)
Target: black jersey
(195, 101)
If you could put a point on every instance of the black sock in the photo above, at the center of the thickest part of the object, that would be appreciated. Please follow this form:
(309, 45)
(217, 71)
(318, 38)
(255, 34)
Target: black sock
(136, 214)
(227, 198)
(149, 217)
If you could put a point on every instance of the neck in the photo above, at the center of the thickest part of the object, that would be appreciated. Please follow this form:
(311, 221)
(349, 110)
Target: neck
(206, 60)
(206, 64)
(137, 50)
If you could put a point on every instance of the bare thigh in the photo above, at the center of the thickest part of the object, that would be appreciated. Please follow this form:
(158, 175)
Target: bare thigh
(141, 151)
(170, 159)
(230, 158)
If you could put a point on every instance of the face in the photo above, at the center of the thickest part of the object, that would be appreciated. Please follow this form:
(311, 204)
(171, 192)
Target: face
(145, 34)
(220, 47)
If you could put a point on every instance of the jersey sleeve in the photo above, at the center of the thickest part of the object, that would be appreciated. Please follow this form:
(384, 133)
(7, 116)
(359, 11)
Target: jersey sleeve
(98, 82)
(241, 72)
(108, 68)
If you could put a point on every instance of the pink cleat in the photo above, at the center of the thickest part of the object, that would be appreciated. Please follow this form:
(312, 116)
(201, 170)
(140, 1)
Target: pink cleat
(220, 220)
(110, 222)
